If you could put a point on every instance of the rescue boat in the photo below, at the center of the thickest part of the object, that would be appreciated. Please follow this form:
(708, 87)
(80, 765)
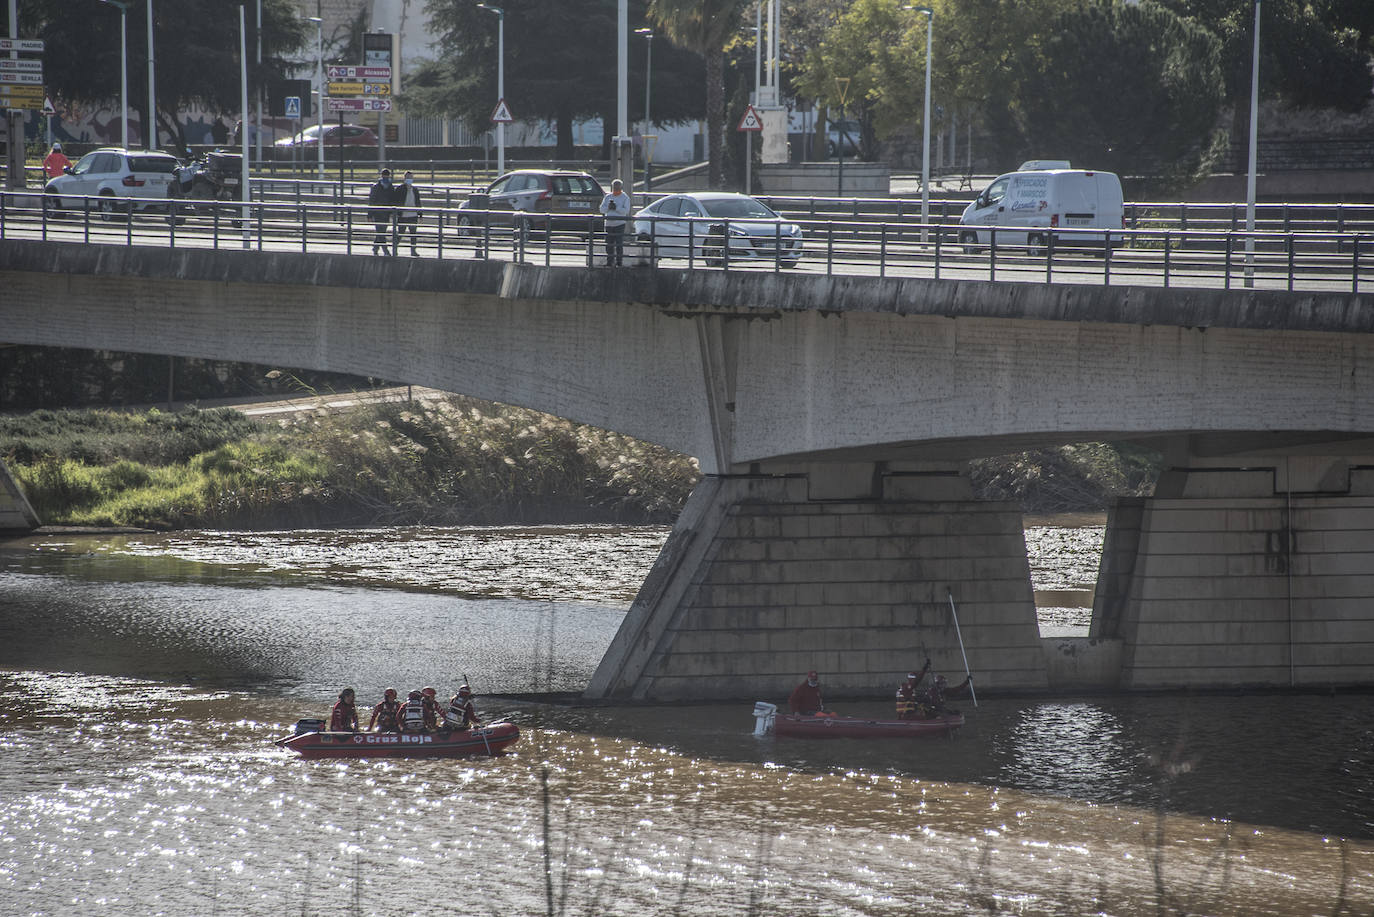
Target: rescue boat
(311, 741)
(832, 726)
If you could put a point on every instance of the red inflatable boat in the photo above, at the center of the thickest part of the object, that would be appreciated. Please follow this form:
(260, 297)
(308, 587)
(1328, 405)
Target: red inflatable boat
(311, 742)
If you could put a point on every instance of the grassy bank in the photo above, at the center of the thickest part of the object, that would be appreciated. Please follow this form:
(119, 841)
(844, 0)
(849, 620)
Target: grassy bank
(451, 462)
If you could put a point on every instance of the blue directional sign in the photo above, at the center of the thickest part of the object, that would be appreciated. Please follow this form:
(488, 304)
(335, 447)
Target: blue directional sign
(293, 107)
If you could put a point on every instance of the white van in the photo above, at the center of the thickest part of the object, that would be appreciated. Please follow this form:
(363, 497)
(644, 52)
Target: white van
(1033, 202)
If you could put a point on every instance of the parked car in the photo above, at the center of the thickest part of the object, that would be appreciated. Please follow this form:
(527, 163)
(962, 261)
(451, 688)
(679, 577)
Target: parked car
(101, 177)
(535, 199)
(353, 135)
(842, 135)
(1037, 200)
(704, 219)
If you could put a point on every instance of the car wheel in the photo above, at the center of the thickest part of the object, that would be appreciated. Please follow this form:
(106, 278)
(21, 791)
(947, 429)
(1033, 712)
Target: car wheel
(1035, 245)
(466, 227)
(52, 203)
(969, 240)
(829, 149)
(107, 207)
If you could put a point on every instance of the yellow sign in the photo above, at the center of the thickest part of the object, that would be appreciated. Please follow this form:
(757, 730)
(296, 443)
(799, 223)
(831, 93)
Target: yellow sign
(27, 97)
(360, 89)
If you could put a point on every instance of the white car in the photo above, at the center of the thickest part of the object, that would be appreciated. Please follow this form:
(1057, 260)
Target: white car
(101, 177)
(703, 220)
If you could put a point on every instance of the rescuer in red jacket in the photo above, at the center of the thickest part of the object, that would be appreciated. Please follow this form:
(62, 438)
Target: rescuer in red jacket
(344, 716)
(386, 715)
(806, 697)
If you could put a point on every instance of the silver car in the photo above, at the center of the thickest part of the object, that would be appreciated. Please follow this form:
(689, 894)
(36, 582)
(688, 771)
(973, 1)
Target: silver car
(702, 221)
(101, 177)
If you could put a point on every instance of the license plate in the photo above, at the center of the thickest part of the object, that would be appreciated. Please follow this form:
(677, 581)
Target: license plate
(579, 205)
(231, 181)
(1072, 222)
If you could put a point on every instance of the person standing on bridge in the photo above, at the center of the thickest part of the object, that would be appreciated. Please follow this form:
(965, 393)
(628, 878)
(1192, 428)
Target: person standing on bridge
(408, 217)
(380, 200)
(616, 208)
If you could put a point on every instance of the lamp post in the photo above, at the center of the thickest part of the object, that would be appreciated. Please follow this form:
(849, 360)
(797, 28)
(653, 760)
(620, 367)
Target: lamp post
(319, 94)
(1254, 144)
(123, 7)
(500, 81)
(925, 122)
(151, 133)
(648, 125)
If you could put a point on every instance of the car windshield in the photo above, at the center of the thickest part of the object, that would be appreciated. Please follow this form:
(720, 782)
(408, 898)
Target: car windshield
(738, 208)
(152, 164)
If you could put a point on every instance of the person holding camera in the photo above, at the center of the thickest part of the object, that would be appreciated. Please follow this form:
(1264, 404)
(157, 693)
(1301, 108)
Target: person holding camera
(616, 208)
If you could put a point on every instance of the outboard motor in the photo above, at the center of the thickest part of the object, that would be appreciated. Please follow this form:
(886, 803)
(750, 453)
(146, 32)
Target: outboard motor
(764, 715)
(308, 725)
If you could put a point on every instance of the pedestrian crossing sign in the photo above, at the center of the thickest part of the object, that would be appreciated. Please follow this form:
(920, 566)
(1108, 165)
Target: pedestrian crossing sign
(751, 120)
(293, 107)
(502, 114)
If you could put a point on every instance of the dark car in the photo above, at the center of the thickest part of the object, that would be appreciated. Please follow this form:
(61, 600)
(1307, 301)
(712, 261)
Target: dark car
(539, 199)
(353, 135)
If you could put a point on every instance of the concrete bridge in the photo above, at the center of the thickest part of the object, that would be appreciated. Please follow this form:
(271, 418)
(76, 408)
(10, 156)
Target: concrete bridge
(833, 417)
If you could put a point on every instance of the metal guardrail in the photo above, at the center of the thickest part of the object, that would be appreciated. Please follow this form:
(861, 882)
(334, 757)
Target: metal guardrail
(1299, 259)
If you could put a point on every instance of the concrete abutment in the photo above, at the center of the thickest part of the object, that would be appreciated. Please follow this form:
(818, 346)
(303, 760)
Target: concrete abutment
(847, 569)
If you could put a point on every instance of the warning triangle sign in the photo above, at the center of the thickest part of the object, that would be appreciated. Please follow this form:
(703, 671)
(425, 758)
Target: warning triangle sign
(502, 114)
(750, 121)
(47, 106)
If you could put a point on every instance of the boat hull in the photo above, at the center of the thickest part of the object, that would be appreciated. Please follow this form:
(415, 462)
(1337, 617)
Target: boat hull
(484, 740)
(850, 727)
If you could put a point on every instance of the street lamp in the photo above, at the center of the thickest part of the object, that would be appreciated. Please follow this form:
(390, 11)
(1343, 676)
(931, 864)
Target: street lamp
(123, 7)
(1254, 145)
(500, 81)
(648, 70)
(925, 122)
(319, 95)
(152, 93)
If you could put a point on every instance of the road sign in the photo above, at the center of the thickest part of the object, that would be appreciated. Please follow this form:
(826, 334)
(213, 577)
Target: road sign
(293, 107)
(750, 121)
(24, 79)
(366, 74)
(502, 113)
(24, 64)
(21, 97)
(360, 89)
(359, 104)
(21, 44)
(48, 108)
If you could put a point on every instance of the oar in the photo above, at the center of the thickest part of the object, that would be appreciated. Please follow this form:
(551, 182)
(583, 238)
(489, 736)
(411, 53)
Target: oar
(973, 694)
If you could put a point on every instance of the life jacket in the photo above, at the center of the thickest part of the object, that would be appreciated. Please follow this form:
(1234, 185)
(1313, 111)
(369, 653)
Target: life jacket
(413, 716)
(388, 713)
(458, 714)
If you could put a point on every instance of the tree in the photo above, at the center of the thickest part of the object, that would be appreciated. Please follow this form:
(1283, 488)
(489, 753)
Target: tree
(560, 66)
(196, 49)
(706, 27)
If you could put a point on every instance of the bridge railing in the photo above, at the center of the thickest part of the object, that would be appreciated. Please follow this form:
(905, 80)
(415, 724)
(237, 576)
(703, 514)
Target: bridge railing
(1298, 259)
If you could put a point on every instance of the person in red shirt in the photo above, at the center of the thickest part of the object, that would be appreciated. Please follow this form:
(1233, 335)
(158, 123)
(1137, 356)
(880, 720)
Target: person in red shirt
(55, 162)
(344, 717)
(386, 715)
(933, 701)
(907, 698)
(806, 697)
(431, 702)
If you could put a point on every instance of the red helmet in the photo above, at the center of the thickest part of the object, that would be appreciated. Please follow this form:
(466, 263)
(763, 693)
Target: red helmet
(429, 692)
(415, 695)
(464, 691)
(389, 694)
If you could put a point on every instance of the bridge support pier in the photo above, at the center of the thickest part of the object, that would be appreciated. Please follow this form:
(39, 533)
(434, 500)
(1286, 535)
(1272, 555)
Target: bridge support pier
(15, 512)
(1255, 571)
(843, 568)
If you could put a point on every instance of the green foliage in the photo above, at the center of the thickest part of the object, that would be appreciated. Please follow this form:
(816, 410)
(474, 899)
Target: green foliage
(1085, 476)
(102, 437)
(1165, 90)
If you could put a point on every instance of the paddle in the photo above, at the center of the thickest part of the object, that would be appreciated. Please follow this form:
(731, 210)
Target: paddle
(973, 694)
(485, 740)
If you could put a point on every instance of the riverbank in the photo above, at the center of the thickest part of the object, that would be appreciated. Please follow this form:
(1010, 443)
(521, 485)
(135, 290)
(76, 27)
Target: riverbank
(447, 460)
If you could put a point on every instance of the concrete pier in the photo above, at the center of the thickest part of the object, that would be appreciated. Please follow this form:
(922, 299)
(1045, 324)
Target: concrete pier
(1244, 571)
(16, 515)
(846, 569)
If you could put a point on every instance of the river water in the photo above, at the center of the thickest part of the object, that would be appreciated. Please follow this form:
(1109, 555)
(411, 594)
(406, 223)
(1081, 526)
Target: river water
(144, 678)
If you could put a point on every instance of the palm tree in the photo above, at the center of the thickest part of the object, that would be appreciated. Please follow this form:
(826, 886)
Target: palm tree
(706, 27)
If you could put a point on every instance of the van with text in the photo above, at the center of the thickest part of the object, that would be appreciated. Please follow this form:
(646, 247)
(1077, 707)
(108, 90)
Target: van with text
(1029, 207)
